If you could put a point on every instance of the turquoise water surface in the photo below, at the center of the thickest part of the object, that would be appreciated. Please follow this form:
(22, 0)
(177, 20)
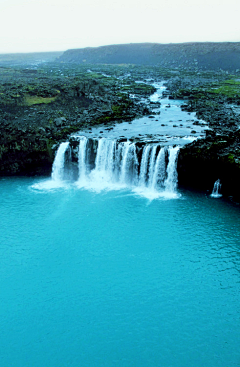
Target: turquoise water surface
(112, 279)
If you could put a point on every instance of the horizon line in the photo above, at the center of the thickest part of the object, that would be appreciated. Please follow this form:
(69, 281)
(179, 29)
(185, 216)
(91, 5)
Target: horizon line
(116, 44)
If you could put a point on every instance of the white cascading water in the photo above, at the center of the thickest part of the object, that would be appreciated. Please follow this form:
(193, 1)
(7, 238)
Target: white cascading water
(152, 166)
(114, 165)
(105, 157)
(128, 173)
(82, 158)
(159, 170)
(171, 181)
(144, 165)
(58, 164)
(216, 190)
(102, 176)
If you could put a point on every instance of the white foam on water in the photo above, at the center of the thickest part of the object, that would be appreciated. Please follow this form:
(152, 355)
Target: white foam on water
(50, 185)
(152, 194)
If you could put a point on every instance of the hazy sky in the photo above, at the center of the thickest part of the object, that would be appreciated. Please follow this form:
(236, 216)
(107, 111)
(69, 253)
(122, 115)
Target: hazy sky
(57, 25)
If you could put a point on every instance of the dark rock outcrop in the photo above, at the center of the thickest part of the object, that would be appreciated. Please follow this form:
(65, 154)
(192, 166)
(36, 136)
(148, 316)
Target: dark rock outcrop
(204, 161)
(215, 98)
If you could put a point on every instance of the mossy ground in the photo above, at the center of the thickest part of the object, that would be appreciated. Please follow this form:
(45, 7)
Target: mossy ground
(229, 88)
(33, 100)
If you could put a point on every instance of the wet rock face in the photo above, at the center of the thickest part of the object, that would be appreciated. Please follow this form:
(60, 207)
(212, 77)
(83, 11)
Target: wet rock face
(203, 162)
(34, 158)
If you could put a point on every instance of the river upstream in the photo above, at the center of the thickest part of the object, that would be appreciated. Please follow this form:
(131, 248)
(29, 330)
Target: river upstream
(108, 263)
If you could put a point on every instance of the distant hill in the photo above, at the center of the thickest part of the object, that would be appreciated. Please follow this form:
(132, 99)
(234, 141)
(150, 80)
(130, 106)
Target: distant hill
(32, 58)
(203, 55)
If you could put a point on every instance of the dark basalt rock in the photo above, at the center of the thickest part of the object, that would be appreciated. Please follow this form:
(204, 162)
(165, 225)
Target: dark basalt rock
(204, 161)
(213, 97)
(39, 110)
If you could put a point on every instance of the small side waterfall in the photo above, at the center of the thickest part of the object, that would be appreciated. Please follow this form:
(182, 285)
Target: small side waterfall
(216, 190)
(148, 170)
(59, 161)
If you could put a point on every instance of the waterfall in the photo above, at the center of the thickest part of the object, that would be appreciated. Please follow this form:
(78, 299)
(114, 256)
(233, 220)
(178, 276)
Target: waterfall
(58, 164)
(159, 170)
(152, 165)
(129, 164)
(171, 180)
(144, 165)
(216, 189)
(82, 158)
(103, 173)
(104, 163)
(105, 156)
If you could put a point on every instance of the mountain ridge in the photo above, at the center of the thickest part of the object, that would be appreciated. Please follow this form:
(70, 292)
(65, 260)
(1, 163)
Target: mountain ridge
(203, 55)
